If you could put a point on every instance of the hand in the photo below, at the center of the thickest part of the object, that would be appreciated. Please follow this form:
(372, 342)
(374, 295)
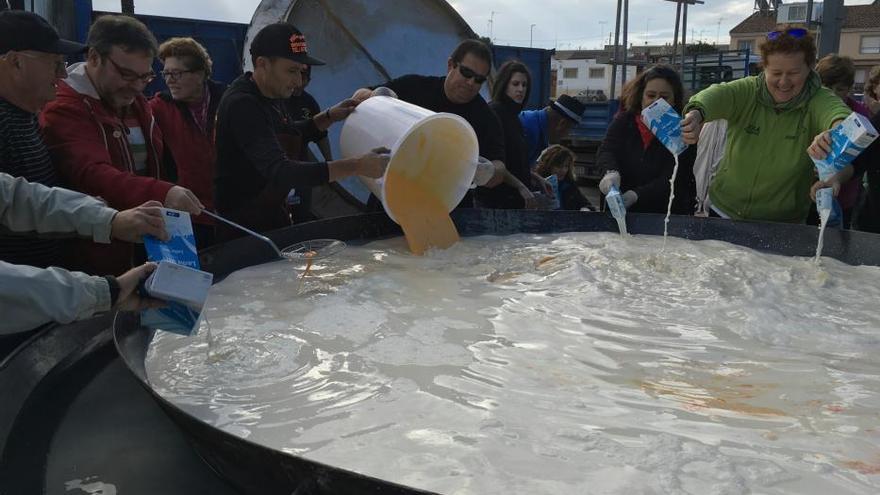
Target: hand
(374, 163)
(131, 225)
(362, 94)
(383, 91)
(831, 182)
(497, 174)
(629, 198)
(181, 198)
(545, 186)
(529, 198)
(341, 110)
(485, 171)
(129, 299)
(820, 146)
(691, 125)
(611, 178)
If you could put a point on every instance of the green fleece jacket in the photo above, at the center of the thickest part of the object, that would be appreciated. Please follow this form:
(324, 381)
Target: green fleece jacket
(765, 173)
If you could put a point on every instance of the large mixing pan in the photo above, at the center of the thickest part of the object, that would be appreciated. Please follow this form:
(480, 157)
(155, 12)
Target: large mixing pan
(255, 469)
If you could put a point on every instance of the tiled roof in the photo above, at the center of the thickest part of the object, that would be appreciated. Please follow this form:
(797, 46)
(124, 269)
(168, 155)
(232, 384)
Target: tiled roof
(857, 17)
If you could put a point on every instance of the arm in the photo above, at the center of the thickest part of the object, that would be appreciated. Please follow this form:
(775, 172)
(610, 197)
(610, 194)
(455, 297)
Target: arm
(611, 149)
(80, 155)
(324, 146)
(725, 100)
(253, 133)
(33, 296)
(26, 206)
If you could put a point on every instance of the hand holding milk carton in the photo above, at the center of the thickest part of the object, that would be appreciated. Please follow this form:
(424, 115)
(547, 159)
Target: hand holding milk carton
(665, 123)
(848, 140)
(177, 279)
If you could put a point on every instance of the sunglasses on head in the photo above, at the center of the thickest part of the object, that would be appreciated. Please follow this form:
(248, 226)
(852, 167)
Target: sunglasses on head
(471, 74)
(795, 33)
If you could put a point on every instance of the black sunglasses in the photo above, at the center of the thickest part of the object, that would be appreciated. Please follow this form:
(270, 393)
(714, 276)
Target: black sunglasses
(471, 74)
(795, 33)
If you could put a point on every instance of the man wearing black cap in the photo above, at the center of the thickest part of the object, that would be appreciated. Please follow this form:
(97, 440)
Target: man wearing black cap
(259, 137)
(550, 124)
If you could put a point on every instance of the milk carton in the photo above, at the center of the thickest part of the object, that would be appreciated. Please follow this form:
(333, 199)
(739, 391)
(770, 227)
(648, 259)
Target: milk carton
(848, 140)
(665, 123)
(557, 195)
(177, 279)
(615, 203)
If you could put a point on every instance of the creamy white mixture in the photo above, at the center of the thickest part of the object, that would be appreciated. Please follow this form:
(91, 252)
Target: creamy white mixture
(549, 364)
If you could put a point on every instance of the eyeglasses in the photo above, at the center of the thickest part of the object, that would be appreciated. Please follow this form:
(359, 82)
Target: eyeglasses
(129, 75)
(795, 33)
(471, 74)
(173, 75)
(60, 65)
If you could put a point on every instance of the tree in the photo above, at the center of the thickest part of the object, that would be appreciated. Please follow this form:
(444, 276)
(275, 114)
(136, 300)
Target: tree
(700, 48)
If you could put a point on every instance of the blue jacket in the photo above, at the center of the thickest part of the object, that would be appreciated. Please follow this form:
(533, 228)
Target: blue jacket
(534, 123)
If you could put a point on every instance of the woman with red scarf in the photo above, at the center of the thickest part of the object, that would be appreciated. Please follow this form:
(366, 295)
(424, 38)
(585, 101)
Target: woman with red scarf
(635, 161)
(185, 114)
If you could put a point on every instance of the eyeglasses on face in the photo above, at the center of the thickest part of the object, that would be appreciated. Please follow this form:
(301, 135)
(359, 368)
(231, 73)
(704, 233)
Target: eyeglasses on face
(795, 33)
(173, 75)
(60, 65)
(471, 74)
(129, 75)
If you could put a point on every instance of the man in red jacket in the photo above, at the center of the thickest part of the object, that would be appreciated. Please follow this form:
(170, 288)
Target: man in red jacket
(102, 136)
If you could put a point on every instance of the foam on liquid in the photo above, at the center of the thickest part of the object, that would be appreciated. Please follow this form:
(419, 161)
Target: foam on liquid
(539, 364)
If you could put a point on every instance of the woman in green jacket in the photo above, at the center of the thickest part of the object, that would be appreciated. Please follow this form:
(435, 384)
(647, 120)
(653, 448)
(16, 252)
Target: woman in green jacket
(773, 118)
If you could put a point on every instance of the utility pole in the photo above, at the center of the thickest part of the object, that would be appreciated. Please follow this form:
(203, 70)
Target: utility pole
(492, 24)
(718, 32)
(647, 28)
(602, 31)
(531, 34)
(127, 7)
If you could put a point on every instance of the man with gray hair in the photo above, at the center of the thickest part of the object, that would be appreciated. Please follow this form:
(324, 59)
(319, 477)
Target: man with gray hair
(102, 135)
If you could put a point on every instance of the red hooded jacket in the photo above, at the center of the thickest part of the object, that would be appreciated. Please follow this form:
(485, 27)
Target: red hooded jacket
(187, 147)
(89, 149)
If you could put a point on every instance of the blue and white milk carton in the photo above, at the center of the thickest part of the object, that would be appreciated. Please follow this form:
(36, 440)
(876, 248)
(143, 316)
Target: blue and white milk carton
(848, 140)
(177, 279)
(665, 123)
(557, 195)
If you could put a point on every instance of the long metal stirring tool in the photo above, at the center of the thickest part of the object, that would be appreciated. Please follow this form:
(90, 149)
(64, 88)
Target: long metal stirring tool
(245, 229)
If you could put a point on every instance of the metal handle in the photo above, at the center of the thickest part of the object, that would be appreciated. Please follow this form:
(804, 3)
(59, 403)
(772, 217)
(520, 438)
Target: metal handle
(245, 229)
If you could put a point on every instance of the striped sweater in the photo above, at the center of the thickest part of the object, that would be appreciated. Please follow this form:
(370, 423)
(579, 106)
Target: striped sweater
(23, 154)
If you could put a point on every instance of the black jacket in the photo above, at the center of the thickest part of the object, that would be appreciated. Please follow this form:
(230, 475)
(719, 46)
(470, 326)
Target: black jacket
(255, 138)
(516, 151)
(647, 171)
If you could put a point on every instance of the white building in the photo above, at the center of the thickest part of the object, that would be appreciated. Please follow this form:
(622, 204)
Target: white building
(585, 73)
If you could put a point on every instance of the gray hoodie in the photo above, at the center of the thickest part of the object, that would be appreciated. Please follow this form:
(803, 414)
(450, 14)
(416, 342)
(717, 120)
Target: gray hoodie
(29, 296)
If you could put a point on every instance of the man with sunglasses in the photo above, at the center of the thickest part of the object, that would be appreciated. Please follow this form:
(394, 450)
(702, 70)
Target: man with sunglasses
(458, 93)
(102, 135)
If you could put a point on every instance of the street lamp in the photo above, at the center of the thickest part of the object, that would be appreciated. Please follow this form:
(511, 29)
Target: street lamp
(531, 31)
(492, 23)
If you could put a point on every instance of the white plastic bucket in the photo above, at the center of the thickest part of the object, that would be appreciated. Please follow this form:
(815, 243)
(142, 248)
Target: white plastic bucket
(437, 151)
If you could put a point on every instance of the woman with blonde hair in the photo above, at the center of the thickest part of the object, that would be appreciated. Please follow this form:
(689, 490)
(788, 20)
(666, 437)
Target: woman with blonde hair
(185, 114)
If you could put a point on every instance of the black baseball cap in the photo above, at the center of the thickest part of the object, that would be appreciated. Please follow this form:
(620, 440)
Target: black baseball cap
(282, 40)
(21, 30)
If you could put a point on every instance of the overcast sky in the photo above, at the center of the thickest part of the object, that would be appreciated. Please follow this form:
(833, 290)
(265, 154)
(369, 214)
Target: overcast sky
(561, 24)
